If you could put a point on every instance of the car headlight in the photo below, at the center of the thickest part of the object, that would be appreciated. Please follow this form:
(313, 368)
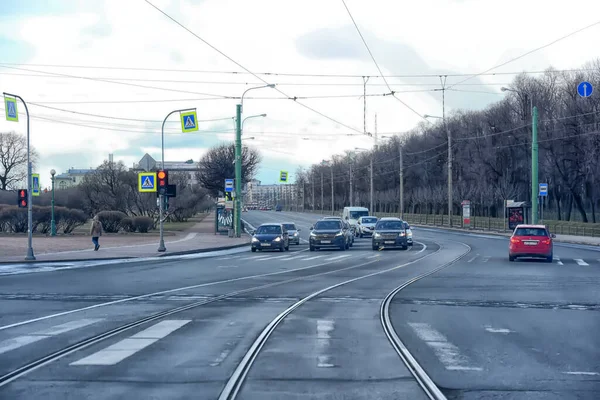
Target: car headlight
(340, 234)
(377, 236)
(295, 233)
(313, 234)
(402, 234)
(254, 240)
(277, 239)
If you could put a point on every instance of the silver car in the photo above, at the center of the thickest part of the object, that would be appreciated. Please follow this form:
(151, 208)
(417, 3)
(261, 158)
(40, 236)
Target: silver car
(409, 233)
(366, 226)
(293, 232)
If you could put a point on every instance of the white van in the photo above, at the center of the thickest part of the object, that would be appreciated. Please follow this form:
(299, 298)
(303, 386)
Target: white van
(352, 214)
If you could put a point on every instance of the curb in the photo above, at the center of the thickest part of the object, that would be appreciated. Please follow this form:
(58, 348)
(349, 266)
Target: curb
(177, 253)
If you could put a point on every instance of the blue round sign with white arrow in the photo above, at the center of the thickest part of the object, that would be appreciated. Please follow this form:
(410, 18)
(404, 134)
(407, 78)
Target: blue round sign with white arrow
(585, 89)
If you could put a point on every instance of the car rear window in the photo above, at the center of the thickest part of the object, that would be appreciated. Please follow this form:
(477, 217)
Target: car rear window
(328, 225)
(269, 230)
(290, 227)
(531, 232)
(369, 220)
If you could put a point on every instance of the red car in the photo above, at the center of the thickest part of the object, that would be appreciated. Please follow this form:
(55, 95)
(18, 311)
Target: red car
(531, 241)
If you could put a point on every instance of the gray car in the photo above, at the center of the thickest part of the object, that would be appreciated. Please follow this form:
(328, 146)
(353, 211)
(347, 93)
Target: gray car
(390, 233)
(349, 230)
(293, 232)
(366, 226)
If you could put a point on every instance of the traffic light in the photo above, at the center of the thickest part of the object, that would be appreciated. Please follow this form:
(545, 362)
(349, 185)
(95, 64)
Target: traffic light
(163, 181)
(23, 198)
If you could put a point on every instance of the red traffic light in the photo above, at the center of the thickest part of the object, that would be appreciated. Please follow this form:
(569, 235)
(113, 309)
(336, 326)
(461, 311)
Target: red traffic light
(22, 194)
(22, 200)
(162, 175)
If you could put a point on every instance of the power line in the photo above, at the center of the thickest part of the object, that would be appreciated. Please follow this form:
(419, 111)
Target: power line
(529, 52)
(247, 70)
(377, 65)
(432, 75)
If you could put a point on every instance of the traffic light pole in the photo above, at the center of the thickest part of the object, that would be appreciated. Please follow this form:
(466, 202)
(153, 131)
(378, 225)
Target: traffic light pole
(29, 256)
(238, 171)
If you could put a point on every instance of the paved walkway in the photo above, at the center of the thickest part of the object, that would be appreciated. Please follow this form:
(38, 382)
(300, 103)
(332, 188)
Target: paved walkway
(70, 248)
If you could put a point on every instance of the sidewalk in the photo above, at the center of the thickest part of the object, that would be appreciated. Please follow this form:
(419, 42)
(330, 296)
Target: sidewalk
(198, 238)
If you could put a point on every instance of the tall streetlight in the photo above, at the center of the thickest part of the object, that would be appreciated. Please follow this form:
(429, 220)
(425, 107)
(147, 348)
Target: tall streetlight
(161, 244)
(29, 256)
(534, 153)
(401, 205)
(52, 222)
(238, 160)
(449, 133)
(252, 116)
(372, 210)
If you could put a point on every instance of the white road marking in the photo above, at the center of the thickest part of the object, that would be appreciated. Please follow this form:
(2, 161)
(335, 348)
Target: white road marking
(473, 258)
(324, 329)
(557, 259)
(221, 358)
(229, 258)
(375, 256)
(227, 266)
(291, 258)
(448, 354)
(588, 373)
(485, 259)
(497, 330)
(20, 341)
(579, 261)
(311, 258)
(337, 258)
(119, 351)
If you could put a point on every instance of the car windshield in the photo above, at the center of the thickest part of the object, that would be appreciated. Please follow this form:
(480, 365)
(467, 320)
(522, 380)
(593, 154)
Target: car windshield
(390, 225)
(290, 227)
(269, 230)
(327, 225)
(371, 220)
(531, 232)
(358, 214)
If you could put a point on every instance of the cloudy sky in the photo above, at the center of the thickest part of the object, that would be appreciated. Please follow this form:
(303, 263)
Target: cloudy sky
(99, 76)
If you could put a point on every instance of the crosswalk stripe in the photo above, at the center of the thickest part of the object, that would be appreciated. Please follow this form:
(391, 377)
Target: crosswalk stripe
(291, 258)
(473, 258)
(557, 259)
(337, 258)
(119, 351)
(579, 261)
(485, 259)
(20, 341)
(311, 258)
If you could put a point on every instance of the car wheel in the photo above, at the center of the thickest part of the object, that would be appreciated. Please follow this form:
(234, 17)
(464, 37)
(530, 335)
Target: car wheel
(343, 247)
(375, 247)
(511, 258)
(404, 247)
(282, 249)
(549, 258)
(311, 248)
(287, 248)
(254, 250)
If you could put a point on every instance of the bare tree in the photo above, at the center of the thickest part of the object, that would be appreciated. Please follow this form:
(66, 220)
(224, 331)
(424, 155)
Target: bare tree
(13, 160)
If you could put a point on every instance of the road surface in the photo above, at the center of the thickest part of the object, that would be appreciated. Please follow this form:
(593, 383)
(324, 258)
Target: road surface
(309, 325)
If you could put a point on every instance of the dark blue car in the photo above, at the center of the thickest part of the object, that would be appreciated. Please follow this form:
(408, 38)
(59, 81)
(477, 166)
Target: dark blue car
(270, 237)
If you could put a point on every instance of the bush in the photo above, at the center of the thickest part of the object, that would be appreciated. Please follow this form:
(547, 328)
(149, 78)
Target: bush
(142, 224)
(13, 219)
(127, 224)
(111, 220)
(68, 219)
(41, 219)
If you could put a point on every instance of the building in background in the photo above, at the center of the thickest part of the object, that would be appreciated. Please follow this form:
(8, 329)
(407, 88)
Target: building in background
(72, 177)
(189, 167)
(269, 195)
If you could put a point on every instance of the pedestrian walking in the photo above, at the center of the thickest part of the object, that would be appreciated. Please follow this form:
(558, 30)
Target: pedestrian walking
(96, 232)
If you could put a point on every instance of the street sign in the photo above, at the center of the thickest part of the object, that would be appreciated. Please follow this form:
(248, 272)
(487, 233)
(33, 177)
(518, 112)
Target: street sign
(543, 189)
(10, 105)
(189, 121)
(35, 184)
(585, 89)
(466, 206)
(229, 205)
(147, 182)
(228, 185)
(283, 176)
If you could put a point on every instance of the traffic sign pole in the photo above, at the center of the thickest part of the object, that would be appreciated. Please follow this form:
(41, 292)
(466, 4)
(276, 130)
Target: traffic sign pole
(238, 171)
(534, 168)
(29, 256)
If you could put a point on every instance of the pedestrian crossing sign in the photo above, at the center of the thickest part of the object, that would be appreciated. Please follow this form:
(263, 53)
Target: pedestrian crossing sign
(35, 184)
(10, 105)
(189, 121)
(283, 176)
(147, 182)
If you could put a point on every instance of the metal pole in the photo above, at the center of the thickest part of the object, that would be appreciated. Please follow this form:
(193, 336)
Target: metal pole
(238, 170)
(371, 193)
(401, 184)
(449, 177)
(322, 203)
(351, 192)
(332, 194)
(53, 221)
(534, 167)
(313, 191)
(29, 256)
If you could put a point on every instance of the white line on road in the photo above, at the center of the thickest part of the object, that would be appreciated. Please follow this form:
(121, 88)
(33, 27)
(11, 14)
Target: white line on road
(291, 258)
(127, 347)
(20, 341)
(324, 329)
(473, 258)
(497, 330)
(485, 259)
(375, 256)
(337, 258)
(588, 373)
(221, 358)
(579, 261)
(311, 258)
(557, 259)
(448, 354)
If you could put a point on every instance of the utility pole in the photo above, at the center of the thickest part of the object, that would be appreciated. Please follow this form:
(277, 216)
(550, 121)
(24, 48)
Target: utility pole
(313, 191)
(351, 192)
(322, 203)
(371, 194)
(401, 182)
(332, 194)
(534, 167)
(238, 171)
(371, 189)
(449, 176)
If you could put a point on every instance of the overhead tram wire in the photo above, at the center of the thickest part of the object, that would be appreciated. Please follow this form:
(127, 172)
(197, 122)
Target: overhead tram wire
(528, 53)
(377, 65)
(247, 70)
(432, 75)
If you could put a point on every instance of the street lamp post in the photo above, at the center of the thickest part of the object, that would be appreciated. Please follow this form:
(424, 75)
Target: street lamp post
(161, 244)
(52, 222)
(30, 256)
(372, 210)
(449, 134)
(238, 161)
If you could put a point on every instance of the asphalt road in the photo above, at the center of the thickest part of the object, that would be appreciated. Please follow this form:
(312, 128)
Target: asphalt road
(481, 327)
